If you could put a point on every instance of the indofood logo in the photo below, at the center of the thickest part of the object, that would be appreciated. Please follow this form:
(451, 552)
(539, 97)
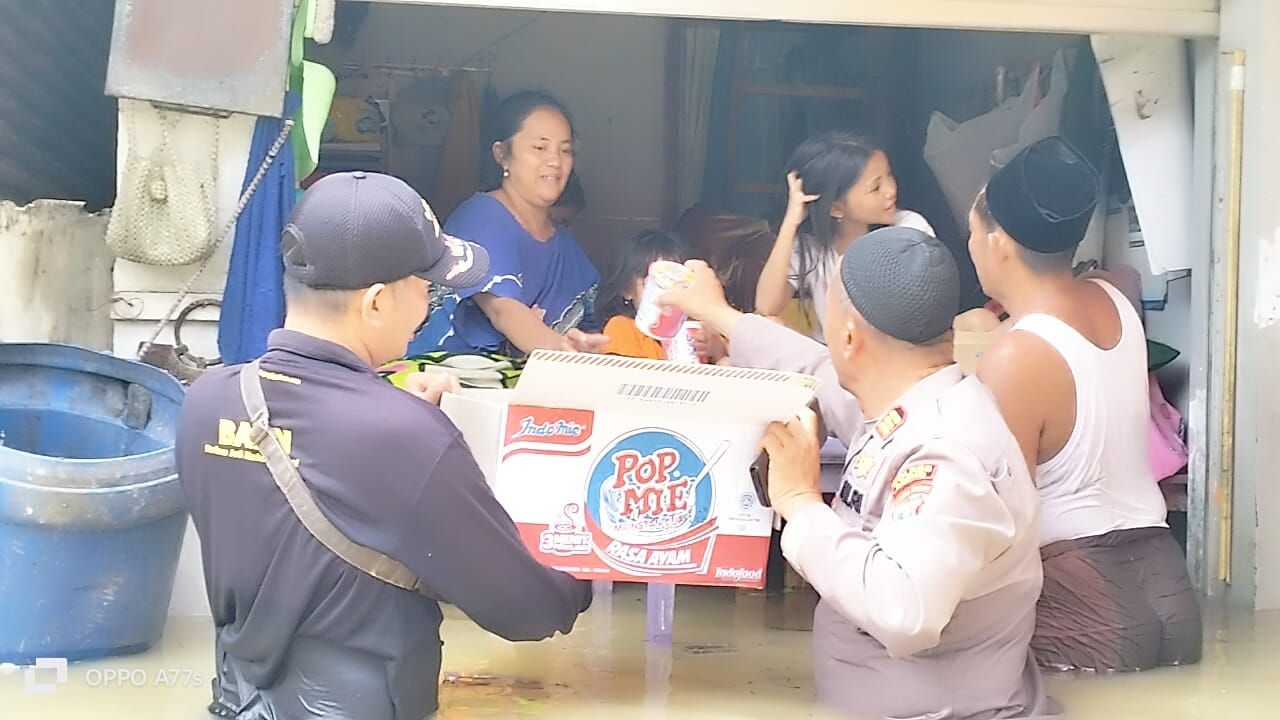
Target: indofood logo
(649, 505)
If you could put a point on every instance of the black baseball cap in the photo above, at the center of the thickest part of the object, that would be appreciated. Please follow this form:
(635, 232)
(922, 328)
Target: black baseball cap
(1045, 197)
(352, 230)
(904, 282)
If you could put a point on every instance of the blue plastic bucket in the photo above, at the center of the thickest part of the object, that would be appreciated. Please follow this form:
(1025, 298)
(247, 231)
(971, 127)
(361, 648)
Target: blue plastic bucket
(91, 512)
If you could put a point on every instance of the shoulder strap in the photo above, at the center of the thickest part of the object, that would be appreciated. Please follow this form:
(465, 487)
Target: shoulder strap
(302, 502)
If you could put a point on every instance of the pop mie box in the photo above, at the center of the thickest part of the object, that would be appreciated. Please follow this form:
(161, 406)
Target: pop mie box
(637, 470)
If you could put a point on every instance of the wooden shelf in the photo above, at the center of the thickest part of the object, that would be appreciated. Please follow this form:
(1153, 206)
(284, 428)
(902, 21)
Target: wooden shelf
(1175, 493)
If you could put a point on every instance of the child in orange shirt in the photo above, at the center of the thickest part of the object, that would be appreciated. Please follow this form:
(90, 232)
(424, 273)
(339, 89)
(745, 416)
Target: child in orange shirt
(624, 285)
(622, 289)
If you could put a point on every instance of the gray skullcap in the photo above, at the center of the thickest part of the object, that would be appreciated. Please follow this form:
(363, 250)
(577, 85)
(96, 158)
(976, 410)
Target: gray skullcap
(903, 282)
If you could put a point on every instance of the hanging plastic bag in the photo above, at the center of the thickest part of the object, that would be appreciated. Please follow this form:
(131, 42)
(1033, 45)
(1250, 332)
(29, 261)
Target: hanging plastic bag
(963, 154)
(166, 204)
(1044, 120)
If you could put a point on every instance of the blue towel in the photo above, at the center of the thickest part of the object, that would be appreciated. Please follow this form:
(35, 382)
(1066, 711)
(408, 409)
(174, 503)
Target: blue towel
(253, 300)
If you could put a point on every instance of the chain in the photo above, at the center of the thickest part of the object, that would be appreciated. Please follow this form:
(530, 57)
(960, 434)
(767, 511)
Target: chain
(226, 230)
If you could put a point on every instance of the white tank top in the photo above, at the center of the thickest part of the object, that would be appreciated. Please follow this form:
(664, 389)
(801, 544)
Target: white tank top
(1101, 480)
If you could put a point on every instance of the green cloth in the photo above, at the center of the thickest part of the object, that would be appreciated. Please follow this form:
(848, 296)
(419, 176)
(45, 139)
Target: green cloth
(473, 370)
(316, 85)
(301, 17)
(318, 88)
(1159, 355)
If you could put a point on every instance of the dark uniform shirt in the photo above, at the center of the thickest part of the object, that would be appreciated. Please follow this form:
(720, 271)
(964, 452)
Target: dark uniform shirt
(392, 473)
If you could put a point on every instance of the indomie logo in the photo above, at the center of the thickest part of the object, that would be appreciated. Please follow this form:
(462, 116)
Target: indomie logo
(557, 428)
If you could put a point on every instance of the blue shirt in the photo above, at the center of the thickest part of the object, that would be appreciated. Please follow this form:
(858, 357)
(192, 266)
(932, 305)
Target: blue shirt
(556, 276)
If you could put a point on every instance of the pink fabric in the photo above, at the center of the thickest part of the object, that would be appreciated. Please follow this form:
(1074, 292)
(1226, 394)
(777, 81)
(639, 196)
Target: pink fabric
(1164, 435)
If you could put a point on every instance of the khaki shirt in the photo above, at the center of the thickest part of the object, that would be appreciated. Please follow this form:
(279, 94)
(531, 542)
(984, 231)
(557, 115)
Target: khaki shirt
(927, 561)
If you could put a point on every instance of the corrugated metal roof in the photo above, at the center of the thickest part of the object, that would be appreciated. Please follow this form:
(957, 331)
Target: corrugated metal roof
(57, 126)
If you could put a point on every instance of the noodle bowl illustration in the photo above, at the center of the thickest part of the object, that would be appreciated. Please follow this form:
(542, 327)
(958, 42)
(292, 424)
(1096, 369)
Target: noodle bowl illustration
(651, 486)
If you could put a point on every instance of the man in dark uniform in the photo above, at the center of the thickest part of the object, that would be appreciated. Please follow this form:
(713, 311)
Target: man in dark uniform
(333, 514)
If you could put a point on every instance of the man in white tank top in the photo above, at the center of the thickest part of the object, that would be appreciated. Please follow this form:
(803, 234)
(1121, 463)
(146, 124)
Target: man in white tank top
(1071, 381)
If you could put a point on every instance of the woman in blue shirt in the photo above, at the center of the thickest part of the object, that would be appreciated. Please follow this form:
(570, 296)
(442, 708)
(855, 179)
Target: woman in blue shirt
(541, 285)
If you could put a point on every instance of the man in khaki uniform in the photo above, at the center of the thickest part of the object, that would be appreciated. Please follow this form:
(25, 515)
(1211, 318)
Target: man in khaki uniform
(927, 562)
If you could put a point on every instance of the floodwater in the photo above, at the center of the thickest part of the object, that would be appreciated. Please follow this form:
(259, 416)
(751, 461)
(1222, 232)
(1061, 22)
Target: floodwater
(735, 654)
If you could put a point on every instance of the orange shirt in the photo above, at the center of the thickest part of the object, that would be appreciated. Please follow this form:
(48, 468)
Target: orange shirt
(626, 339)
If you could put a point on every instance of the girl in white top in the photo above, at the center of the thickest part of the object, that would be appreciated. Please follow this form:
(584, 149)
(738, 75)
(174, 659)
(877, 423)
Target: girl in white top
(850, 184)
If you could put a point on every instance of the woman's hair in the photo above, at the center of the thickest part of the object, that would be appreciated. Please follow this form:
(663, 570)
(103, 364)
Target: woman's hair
(509, 117)
(632, 262)
(573, 196)
(828, 165)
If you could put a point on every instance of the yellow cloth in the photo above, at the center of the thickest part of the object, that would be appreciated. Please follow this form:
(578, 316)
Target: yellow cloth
(626, 339)
(800, 316)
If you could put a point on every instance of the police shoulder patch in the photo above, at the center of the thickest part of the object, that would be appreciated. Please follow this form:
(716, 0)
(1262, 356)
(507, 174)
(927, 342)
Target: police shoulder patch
(910, 488)
(890, 422)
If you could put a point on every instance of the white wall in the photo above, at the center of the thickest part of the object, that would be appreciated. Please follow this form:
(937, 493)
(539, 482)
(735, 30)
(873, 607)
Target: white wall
(55, 273)
(146, 293)
(1249, 25)
(608, 70)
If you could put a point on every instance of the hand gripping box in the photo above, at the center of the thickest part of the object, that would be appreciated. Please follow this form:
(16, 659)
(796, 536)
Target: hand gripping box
(637, 470)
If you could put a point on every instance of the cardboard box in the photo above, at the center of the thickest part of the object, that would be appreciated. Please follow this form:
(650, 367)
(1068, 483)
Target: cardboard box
(969, 346)
(637, 470)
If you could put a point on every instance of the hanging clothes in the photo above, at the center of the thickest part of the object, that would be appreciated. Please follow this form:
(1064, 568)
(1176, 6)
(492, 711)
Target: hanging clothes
(253, 299)
(459, 175)
(489, 172)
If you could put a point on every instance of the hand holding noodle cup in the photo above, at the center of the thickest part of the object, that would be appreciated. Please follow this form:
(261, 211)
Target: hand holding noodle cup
(710, 346)
(688, 346)
(662, 322)
(699, 295)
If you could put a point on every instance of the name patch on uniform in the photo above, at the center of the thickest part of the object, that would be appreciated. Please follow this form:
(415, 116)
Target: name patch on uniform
(850, 496)
(235, 441)
(890, 423)
(910, 487)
